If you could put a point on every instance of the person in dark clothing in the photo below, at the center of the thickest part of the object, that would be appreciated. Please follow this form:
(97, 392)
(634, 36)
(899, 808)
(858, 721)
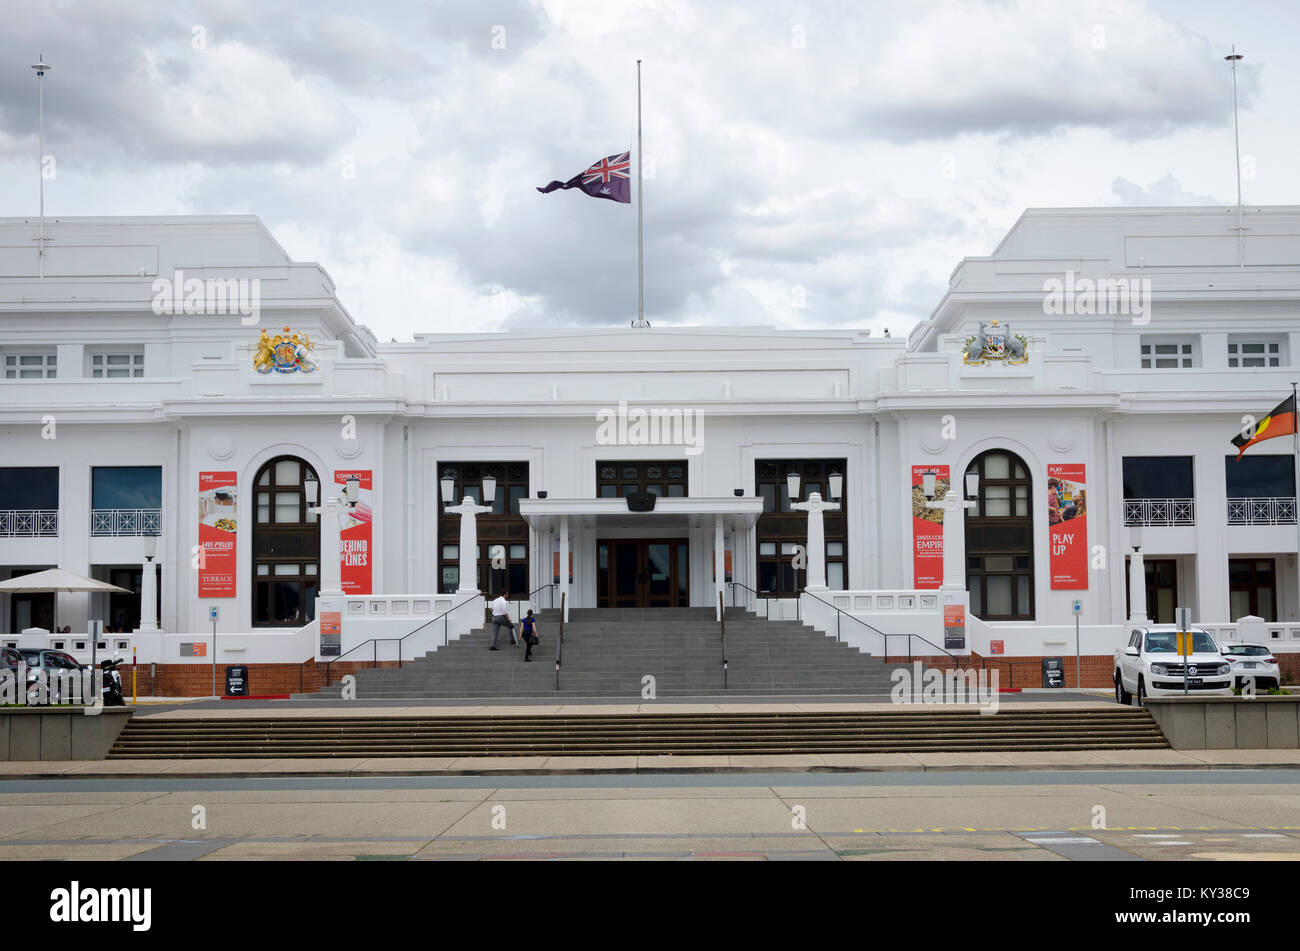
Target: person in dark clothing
(528, 628)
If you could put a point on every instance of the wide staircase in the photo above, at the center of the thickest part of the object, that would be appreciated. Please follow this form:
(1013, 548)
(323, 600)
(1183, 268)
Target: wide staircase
(608, 652)
(885, 731)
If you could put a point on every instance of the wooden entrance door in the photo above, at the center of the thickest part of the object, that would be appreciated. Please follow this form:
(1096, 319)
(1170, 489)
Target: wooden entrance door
(642, 573)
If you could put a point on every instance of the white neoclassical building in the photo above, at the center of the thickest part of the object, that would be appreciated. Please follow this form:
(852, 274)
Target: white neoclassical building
(184, 378)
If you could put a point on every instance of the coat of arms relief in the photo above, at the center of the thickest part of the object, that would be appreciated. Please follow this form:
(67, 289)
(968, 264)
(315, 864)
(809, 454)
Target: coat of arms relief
(993, 343)
(284, 353)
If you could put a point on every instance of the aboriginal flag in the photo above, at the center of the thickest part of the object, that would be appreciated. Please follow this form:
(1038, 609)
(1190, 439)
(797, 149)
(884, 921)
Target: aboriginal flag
(1280, 422)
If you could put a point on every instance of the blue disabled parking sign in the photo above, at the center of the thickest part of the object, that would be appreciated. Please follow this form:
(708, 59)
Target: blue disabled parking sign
(1077, 606)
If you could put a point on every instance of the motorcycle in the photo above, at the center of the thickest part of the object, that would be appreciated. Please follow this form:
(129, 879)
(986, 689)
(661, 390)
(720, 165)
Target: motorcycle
(112, 683)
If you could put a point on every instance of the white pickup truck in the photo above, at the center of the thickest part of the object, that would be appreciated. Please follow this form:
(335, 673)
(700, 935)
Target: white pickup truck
(1150, 666)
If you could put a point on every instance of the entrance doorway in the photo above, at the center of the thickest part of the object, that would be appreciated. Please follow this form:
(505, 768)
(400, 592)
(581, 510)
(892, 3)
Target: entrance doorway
(642, 573)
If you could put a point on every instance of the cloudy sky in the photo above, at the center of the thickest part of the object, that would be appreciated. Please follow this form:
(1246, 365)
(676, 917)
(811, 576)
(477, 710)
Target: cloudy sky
(810, 164)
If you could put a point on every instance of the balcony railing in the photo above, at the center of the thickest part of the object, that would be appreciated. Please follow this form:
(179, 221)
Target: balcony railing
(1159, 511)
(126, 521)
(30, 523)
(1263, 511)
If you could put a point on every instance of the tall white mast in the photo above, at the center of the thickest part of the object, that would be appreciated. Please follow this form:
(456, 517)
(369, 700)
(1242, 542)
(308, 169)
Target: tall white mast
(41, 68)
(1232, 58)
(640, 241)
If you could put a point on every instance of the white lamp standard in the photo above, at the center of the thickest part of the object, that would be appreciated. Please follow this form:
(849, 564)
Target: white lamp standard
(468, 512)
(815, 506)
(331, 572)
(1137, 579)
(954, 542)
(149, 587)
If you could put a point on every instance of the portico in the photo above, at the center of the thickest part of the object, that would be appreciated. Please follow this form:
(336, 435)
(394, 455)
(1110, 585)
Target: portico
(642, 553)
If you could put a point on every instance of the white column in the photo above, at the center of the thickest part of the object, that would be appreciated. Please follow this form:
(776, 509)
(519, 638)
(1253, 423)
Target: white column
(148, 597)
(331, 573)
(816, 549)
(718, 564)
(468, 546)
(1137, 590)
(564, 564)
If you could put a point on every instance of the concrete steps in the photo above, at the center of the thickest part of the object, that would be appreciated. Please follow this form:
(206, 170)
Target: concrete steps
(899, 731)
(608, 652)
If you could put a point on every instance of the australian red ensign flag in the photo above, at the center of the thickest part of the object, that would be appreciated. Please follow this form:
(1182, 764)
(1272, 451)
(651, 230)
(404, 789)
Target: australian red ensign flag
(607, 178)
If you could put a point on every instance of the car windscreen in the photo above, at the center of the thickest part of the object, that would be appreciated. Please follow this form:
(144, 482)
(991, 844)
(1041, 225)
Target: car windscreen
(1166, 642)
(1247, 650)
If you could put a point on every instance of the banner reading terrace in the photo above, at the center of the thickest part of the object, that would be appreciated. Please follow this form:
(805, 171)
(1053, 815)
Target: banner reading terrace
(217, 534)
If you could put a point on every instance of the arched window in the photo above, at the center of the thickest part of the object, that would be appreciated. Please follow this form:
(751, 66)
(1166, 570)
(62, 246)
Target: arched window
(1000, 539)
(286, 545)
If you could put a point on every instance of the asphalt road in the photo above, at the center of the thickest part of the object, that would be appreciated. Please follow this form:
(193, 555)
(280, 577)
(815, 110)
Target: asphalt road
(1051, 816)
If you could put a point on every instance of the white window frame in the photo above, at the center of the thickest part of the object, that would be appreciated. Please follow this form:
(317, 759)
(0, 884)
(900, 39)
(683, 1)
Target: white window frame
(1186, 357)
(101, 369)
(1272, 353)
(14, 369)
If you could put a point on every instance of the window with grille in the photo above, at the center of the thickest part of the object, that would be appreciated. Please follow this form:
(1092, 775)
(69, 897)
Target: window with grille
(501, 561)
(1245, 354)
(1168, 354)
(116, 365)
(615, 480)
(30, 366)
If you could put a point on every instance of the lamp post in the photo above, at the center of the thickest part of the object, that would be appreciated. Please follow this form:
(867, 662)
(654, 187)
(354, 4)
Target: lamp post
(1137, 579)
(328, 513)
(149, 587)
(468, 511)
(954, 547)
(816, 547)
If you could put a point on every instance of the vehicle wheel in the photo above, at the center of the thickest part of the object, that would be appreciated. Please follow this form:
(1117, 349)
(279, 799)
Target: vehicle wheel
(1122, 696)
(1142, 693)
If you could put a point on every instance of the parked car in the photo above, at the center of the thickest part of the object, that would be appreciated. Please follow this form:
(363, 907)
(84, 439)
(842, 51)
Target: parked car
(1150, 665)
(51, 663)
(1253, 660)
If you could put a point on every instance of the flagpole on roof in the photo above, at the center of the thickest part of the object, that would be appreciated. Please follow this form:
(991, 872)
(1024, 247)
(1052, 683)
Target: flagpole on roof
(1232, 58)
(640, 260)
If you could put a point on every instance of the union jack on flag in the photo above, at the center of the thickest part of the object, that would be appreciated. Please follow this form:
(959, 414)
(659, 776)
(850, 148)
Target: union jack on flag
(607, 178)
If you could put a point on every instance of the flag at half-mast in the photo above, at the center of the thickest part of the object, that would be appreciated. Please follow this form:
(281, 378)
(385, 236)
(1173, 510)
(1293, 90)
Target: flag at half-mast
(1280, 422)
(606, 178)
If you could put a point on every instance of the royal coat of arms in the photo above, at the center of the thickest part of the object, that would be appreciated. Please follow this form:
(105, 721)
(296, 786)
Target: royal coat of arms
(994, 343)
(284, 353)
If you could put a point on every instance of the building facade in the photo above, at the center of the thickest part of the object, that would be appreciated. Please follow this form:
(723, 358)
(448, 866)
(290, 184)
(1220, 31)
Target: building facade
(183, 377)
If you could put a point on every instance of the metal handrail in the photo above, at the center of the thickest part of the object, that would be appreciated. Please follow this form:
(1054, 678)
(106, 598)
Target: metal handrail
(559, 640)
(885, 637)
(767, 602)
(722, 624)
(552, 585)
(375, 640)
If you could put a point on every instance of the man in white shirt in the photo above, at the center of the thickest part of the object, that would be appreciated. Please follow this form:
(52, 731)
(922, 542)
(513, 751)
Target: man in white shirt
(500, 618)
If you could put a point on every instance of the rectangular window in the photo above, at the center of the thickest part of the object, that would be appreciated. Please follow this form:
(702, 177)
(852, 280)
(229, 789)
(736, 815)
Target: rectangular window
(1248, 353)
(1158, 477)
(116, 365)
(1169, 353)
(126, 487)
(503, 530)
(1254, 477)
(780, 528)
(30, 366)
(29, 488)
(620, 479)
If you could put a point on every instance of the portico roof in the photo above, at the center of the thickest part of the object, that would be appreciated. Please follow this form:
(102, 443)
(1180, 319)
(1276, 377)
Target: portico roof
(736, 512)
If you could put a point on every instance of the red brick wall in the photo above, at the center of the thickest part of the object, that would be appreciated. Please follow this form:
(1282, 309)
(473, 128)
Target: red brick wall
(195, 680)
(1097, 669)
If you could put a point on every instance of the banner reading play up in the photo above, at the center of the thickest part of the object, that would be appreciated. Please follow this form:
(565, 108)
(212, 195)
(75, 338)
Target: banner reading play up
(1067, 526)
(217, 535)
(356, 540)
(927, 528)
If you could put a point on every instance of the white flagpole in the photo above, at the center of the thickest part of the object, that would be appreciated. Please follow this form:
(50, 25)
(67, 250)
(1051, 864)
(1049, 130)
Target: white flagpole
(640, 260)
(1232, 58)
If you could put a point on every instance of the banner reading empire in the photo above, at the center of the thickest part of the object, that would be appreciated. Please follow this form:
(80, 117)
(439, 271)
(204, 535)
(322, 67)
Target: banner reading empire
(927, 528)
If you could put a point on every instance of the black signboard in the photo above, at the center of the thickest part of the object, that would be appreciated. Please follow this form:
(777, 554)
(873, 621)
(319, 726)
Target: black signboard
(237, 681)
(1053, 672)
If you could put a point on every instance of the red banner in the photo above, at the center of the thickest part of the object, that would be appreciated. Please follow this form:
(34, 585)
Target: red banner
(927, 528)
(217, 535)
(1067, 526)
(356, 540)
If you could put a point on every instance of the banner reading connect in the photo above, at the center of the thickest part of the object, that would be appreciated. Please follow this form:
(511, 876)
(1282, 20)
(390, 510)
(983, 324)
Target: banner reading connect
(356, 537)
(1067, 518)
(217, 535)
(927, 528)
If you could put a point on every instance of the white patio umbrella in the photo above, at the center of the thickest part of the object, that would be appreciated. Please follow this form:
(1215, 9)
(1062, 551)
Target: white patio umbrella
(54, 581)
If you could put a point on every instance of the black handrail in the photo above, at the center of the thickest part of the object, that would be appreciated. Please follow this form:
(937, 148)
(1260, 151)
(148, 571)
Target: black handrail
(375, 640)
(767, 602)
(722, 624)
(559, 639)
(885, 637)
(552, 585)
